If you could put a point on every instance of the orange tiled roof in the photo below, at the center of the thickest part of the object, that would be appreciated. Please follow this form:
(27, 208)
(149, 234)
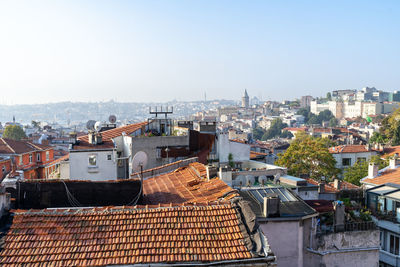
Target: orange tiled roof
(327, 187)
(125, 235)
(345, 185)
(390, 151)
(185, 185)
(387, 176)
(9, 146)
(254, 154)
(348, 149)
(112, 133)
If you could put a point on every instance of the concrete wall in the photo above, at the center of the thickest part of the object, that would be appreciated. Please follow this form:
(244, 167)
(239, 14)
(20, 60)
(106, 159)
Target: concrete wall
(286, 241)
(355, 248)
(80, 169)
(149, 145)
(352, 156)
(64, 170)
(239, 151)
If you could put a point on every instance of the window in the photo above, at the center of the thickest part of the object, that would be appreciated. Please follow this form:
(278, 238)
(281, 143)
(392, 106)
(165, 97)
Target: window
(394, 244)
(108, 157)
(47, 155)
(20, 160)
(3, 169)
(92, 161)
(38, 157)
(346, 162)
(30, 158)
(361, 159)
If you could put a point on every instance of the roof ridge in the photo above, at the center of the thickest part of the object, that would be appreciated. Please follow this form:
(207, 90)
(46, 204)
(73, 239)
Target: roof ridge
(7, 145)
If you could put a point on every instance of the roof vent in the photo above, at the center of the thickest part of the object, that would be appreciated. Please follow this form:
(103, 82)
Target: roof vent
(271, 206)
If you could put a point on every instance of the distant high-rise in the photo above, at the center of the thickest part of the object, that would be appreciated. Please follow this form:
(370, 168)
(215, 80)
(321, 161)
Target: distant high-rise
(245, 99)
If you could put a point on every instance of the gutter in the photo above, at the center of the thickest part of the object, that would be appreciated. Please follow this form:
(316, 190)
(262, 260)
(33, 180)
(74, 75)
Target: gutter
(268, 259)
(323, 253)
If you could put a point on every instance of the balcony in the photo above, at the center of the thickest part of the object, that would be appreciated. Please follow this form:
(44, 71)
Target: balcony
(388, 221)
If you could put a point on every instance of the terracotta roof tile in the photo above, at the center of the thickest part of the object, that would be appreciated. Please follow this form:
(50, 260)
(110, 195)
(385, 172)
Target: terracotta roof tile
(124, 235)
(187, 184)
(112, 133)
(387, 176)
(327, 187)
(349, 149)
(9, 146)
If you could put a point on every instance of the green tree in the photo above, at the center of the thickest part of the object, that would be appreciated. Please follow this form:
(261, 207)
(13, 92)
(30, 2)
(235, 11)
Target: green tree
(308, 157)
(305, 112)
(333, 122)
(258, 132)
(377, 138)
(14, 132)
(359, 170)
(230, 160)
(329, 96)
(286, 134)
(275, 130)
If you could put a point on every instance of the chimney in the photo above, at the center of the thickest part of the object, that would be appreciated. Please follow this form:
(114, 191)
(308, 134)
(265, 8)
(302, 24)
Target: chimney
(339, 219)
(271, 206)
(368, 147)
(336, 183)
(394, 161)
(372, 170)
(321, 188)
(72, 138)
(91, 136)
(98, 139)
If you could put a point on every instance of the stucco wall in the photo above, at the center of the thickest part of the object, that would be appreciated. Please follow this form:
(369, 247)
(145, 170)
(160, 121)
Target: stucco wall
(149, 146)
(352, 156)
(80, 170)
(355, 248)
(286, 241)
(239, 151)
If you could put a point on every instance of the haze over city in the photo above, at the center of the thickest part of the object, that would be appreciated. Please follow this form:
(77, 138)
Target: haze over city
(131, 51)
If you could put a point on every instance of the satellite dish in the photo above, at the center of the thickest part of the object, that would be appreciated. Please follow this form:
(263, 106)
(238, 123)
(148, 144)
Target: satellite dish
(240, 181)
(97, 125)
(138, 161)
(250, 180)
(90, 124)
(112, 119)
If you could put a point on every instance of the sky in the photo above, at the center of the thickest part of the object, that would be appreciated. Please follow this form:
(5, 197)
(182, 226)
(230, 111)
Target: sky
(145, 51)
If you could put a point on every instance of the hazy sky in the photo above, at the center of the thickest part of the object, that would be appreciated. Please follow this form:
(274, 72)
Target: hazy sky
(54, 51)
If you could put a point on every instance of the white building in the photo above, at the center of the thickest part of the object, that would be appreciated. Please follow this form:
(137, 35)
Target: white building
(347, 155)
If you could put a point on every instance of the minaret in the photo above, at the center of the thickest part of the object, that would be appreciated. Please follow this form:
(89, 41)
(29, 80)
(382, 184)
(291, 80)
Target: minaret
(245, 100)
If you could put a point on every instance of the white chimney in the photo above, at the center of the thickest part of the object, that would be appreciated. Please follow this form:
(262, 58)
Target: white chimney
(372, 170)
(336, 183)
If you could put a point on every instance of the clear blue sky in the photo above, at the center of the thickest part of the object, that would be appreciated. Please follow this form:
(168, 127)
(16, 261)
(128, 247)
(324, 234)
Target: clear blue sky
(162, 50)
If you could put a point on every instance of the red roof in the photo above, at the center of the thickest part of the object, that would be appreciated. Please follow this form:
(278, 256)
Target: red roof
(112, 133)
(348, 149)
(320, 205)
(388, 176)
(345, 185)
(327, 187)
(187, 184)
(9, 146)
(125, 236)
(390, 151)
(107, 136)
(254, 154)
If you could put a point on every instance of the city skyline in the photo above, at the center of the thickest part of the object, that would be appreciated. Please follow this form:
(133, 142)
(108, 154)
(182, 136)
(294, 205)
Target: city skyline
(158, 51)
